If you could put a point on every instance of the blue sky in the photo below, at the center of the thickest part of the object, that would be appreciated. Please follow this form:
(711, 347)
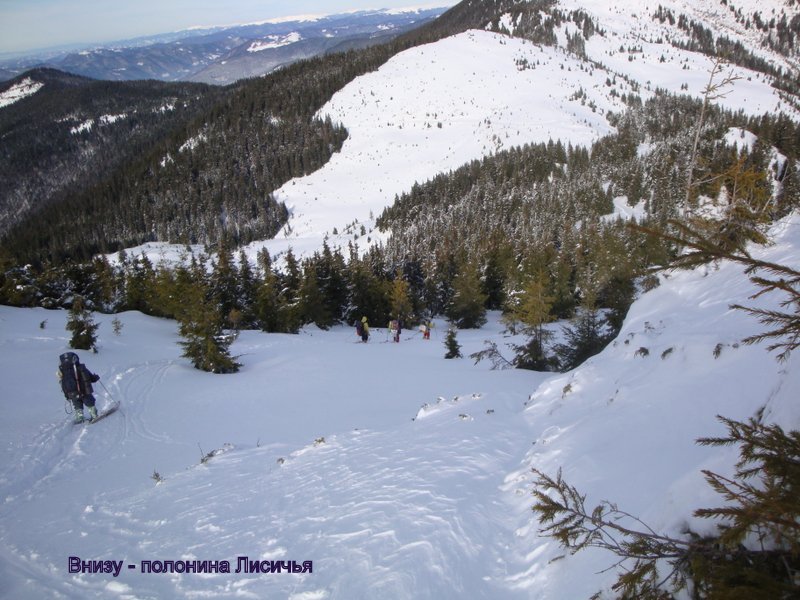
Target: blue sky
(32, 24)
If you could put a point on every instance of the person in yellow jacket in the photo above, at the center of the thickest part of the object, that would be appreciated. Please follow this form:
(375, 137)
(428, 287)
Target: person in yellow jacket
(363, 329)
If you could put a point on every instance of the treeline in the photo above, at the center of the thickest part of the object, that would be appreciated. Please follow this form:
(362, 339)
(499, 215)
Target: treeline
(547, 199)
(331, 287)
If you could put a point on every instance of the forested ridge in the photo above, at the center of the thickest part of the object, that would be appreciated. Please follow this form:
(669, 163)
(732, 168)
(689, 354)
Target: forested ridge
(550, 235)
(97, 166)
(75, 131)
(203, 165)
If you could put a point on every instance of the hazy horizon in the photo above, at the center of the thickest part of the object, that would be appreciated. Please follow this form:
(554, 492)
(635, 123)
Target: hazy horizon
(30, 26)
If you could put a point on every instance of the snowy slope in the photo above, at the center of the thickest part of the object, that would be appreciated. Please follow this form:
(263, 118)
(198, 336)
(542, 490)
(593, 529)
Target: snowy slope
(24, 88)
(398, 473)
(623, 425)
(433, 108)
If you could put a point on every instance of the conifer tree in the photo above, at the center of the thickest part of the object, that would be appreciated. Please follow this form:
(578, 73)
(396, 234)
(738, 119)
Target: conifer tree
(224, 281)
(467, 309)
(165, 295)
(452, 345)
(754, 555)
(585, 337)
(331, 278)
(205, 342)
(247, 286)
(311, 303)
(531, 308)
(561, 287)
(494, 276)
(269, 304)
(108, 284)
(414, 276)
(368, 296)
(81, 323)
(290, 314)
(139, 284)
(401, 307)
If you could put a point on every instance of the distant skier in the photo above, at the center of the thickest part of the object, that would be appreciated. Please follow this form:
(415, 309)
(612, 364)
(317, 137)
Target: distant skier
(364, 329)
(398, 330)
(76, 383)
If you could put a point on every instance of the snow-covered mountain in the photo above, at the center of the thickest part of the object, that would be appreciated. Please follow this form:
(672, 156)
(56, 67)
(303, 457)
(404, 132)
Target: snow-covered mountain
(395, 472)
(222, 55)
(435, 107)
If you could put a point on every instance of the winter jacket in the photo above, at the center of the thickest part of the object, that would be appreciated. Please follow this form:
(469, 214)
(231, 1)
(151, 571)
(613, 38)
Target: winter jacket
(78, 382)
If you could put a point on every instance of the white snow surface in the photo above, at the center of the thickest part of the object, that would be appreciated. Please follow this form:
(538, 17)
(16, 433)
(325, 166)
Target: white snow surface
(398, 473)
(274, 41)
(18, 91)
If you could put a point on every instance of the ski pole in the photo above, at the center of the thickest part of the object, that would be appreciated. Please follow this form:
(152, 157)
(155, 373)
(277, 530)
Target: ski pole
(107, 392)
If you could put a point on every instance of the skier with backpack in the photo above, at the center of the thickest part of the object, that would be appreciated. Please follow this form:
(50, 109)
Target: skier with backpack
(362, 329)
(76, 383)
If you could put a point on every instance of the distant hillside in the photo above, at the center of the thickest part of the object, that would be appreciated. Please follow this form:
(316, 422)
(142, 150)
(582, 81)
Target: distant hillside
(223, 55)
(208, 169)
(71, 133)
(120, 163)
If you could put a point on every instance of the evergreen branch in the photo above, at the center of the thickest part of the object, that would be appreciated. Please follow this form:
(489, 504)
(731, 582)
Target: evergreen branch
(781, 326)
(763, 511)
(493, 354)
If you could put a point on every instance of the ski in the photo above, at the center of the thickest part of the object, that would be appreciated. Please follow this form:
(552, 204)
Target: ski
(102, 415)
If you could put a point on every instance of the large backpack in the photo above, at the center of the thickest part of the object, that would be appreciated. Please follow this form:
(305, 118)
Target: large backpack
(68, 367)
(359, 328)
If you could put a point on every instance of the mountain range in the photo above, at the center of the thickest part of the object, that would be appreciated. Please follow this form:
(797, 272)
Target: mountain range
(223, 55)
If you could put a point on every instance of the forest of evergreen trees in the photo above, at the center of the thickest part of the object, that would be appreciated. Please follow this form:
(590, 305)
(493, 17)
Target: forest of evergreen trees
(525, 231)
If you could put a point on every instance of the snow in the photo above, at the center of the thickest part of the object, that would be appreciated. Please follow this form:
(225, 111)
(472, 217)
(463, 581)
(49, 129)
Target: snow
(623, 210)
(275, 41)
(88, 124)
(740, 138)
(398, 473)
(111, 119)
(191, 143)
(18, 91)
(82, 127)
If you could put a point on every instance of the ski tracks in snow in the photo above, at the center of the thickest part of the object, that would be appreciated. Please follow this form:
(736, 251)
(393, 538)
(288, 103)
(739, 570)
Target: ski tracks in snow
(136, 387)
(367, 507)
(55, 449)
(59, 447)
